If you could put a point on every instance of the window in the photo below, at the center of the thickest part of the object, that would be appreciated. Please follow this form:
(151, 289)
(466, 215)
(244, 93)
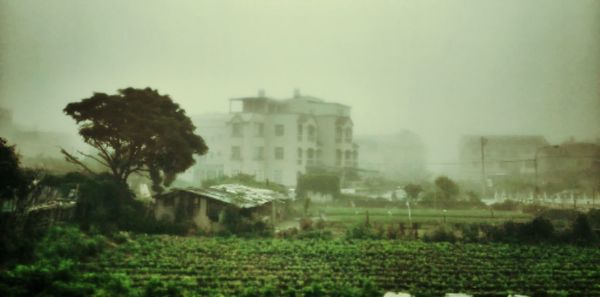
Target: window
(279, 130)
(236, 130)
(299, 156)
(312, 133)
(338, 134)
(348, 155)
(259, 153)
(310, 155)
(278, 153)
(236, 153)
(338, 157)
(348, 135)
(260, 129)
(300, 132)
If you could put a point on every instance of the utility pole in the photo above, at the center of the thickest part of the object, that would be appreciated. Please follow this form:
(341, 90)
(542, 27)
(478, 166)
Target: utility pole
(483, 179)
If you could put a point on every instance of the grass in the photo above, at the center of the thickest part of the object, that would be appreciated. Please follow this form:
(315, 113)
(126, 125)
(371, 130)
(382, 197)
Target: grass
(349, 215)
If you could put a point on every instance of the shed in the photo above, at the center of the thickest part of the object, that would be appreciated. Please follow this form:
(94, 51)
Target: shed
(203, 205)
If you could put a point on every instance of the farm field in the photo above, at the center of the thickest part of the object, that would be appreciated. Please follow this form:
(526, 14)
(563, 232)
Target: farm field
(340, 218)
(212, 266)
(419, 215)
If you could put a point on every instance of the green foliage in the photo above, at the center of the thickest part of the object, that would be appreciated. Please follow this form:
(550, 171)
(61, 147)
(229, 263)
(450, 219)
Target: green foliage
(413, 191)
(157, 288)
(581, 232)
(447, 189)
(506, 205)
(362, 231)
(56, 269)
(440, 233)
(103, 202)
(280, 267)
(233, 223)
(318, 183)
(138, 130)
(14, 181)
(68, 242)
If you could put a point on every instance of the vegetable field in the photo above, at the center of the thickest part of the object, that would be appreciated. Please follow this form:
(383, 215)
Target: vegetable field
(350, 215)
(234, 267)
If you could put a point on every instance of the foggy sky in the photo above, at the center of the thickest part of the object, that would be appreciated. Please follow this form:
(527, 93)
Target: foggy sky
(438, 68)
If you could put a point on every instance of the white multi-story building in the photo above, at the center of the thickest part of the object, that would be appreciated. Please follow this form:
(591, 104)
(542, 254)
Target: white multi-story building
(277, 140)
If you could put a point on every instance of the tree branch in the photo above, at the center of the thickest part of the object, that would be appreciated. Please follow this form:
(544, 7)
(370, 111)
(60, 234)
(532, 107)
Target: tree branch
(71, 159)
(94, 158)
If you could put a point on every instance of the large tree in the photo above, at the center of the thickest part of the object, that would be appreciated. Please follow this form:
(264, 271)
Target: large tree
(13, 181)
(137, 131)
(447, 188)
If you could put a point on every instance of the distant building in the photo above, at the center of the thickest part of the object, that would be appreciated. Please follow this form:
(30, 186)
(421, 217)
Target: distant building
(277, 140)
(570, 166)
(35, 143)
(505, 156)
(399, 156)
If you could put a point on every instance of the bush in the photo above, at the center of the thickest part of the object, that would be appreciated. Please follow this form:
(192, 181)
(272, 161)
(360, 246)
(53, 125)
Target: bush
(234, 223)
(581, 232)
(440, 234)
(306, 224)
(506, 205)
(361, 231)
(538, 230)
(534, 209)
(56, 272)
(68, 243)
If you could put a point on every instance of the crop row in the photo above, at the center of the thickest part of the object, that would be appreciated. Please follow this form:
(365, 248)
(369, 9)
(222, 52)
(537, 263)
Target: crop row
(228, 265)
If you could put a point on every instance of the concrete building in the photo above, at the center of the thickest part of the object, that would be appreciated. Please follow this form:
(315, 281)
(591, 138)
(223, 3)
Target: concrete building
(277, 140)
(506, 157)
(572, 166)
(398, 156)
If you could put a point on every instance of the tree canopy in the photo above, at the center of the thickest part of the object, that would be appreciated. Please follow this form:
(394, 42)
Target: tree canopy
(137, 131)
(12, 176)
(447, 187)
(413, 190)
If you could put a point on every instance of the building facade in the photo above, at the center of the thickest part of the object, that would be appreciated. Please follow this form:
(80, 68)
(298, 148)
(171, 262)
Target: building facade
(277, 140)
(399, 156)
(506, 157)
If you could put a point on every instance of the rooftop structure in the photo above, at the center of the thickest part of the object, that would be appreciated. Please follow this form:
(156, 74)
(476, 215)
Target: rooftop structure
(277, 140)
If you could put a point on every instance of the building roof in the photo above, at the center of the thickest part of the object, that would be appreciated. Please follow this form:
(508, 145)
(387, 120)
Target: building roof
(238, 195)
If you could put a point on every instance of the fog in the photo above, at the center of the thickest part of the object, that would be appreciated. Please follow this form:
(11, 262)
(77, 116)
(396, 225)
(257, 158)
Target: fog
(438, 68)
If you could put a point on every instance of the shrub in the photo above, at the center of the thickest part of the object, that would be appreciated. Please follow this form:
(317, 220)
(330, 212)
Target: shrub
(581, 232)
(534, 209)
(538, 230)
(506, 205)
(68, 243)
(440, 234)
(361, 231)
(306, 224)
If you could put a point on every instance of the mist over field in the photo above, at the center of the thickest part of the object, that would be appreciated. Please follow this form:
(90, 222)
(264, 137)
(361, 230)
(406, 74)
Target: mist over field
(301, 148)
(434, 68)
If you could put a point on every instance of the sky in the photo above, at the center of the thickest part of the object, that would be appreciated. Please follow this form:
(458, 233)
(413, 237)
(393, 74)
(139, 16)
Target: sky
(438, 68)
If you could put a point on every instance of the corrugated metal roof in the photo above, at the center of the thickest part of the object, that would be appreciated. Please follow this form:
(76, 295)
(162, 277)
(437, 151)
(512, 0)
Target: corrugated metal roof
(238, 195)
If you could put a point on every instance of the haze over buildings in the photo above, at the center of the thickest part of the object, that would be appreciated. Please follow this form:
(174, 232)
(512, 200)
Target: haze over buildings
(432, 67)
(277, 139)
